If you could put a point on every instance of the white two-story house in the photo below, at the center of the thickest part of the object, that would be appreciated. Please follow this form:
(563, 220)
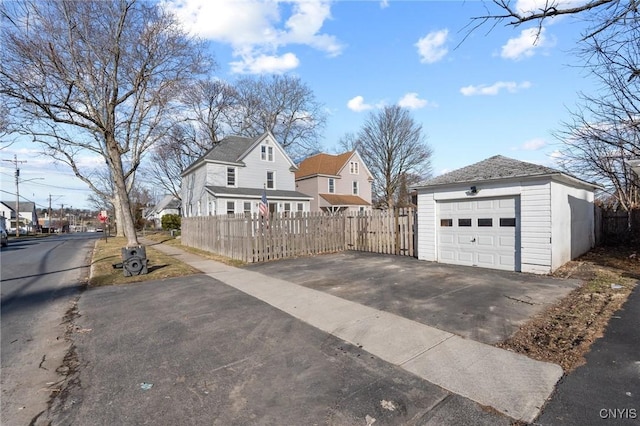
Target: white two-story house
(231, 177)
(336, 182)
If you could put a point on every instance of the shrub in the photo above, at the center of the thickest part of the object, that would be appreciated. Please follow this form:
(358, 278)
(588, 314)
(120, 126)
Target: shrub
(171, 221)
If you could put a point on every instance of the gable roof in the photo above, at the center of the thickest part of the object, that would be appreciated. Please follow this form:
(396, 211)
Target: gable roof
(168, 202)
(323, 164)
(25, 206)
(233, 149)
(497, 167)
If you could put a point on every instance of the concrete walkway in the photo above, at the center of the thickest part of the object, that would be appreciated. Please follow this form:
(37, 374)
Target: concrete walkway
(510, 383)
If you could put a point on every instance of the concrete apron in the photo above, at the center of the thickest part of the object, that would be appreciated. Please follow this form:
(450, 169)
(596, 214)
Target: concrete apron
(510, 383)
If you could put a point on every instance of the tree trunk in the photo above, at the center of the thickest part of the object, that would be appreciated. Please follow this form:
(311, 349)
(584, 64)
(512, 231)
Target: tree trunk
(118, 213)
(120, 186)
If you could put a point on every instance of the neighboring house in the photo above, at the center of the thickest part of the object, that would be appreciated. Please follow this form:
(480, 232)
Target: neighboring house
(28, 217)
(231, 177)
(336, 182)
(168, 205)
(505, 214)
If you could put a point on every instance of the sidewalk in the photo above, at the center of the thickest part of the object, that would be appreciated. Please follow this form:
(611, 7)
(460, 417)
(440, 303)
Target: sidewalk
(510, 383)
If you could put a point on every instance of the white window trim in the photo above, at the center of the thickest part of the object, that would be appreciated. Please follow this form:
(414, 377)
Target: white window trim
(266, 153)
(235, 176)
(234, 207)
(267, 179)
(331, 182)
(355, 188)
(354, 168)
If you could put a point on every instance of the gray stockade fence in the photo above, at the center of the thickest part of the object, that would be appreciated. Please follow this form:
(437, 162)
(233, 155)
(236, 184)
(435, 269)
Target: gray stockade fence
(252, 238)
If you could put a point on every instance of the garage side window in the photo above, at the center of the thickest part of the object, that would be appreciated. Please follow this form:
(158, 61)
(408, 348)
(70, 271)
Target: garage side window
(446, 222)
(485, 222)
(464, 222)
(507, 221)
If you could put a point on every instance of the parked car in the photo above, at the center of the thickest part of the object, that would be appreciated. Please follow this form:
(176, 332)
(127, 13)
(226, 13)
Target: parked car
(4, 238)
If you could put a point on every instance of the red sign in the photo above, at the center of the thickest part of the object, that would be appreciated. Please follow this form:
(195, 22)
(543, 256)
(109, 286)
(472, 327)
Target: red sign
(102, 217)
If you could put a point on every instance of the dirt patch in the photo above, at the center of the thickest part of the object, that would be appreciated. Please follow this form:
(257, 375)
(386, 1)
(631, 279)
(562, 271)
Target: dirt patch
(564, 332)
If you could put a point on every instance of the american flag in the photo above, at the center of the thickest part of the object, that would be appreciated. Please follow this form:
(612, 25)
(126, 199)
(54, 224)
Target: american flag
(264, 205)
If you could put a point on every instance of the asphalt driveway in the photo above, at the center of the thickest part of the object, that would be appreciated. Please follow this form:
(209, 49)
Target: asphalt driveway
(194, 351)
(476, 303)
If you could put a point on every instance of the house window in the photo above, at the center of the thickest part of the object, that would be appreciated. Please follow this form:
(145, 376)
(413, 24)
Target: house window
(266, 153)
(271, 180)
(231, 207)
(332, 185)
(231, 176)
(212, 208)
(300, 207)
(355, 187)
(353, 167)
(287, 209)
(247, 208)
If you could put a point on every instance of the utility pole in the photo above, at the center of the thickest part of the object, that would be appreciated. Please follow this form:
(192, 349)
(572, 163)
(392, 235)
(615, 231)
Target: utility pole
(16, 162)
(51, 217)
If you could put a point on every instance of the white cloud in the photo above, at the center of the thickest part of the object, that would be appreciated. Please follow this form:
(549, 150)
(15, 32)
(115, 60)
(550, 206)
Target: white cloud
(431, 47)
(412, 101)
(534, 144)
(257, 29)
(495, 88)
(357, 104)
(265, 64)
(526, 44)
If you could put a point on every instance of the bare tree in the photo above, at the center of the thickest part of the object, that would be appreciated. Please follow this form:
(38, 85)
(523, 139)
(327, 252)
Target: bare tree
(605, 129)
(201, 123)
(96, 78)
(394, 148)
(605, 13)
(283, 105)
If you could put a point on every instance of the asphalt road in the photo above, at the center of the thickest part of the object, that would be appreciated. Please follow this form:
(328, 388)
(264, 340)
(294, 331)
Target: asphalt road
(41, 279)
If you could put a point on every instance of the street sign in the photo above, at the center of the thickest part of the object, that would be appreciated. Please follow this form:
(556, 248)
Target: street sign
(102, 217)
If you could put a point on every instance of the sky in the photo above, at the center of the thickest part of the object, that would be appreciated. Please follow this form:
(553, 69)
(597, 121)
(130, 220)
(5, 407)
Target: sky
(495, 90)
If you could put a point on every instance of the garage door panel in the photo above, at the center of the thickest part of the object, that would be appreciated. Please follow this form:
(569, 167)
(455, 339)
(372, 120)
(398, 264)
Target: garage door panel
(486, 240)
(447, 256)
(465, 257)
(507, 241)
(447, 238)
(464, 239)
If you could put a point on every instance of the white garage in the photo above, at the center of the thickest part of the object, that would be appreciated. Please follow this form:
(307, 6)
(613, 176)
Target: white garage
(505, 214)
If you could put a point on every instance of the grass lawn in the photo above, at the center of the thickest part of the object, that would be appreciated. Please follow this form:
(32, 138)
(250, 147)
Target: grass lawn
(563, 333)
(159, 264)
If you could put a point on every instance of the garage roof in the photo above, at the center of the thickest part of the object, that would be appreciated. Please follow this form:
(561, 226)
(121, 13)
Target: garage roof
(496, 168)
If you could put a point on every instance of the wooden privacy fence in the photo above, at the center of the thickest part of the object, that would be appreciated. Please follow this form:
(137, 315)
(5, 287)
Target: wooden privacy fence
(616, 227)
(254, 239)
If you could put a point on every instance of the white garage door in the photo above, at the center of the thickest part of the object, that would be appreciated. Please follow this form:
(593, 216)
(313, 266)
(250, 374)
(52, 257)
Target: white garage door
(480, 232)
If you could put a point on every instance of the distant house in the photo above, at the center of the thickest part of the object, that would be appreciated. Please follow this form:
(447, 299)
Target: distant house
(27, 218)
(502, 213)
(168, 205)
(232, 176)
(336, 182)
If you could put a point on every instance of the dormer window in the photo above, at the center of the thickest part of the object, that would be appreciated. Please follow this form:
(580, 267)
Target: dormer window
(266, 153)
(353, 167)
